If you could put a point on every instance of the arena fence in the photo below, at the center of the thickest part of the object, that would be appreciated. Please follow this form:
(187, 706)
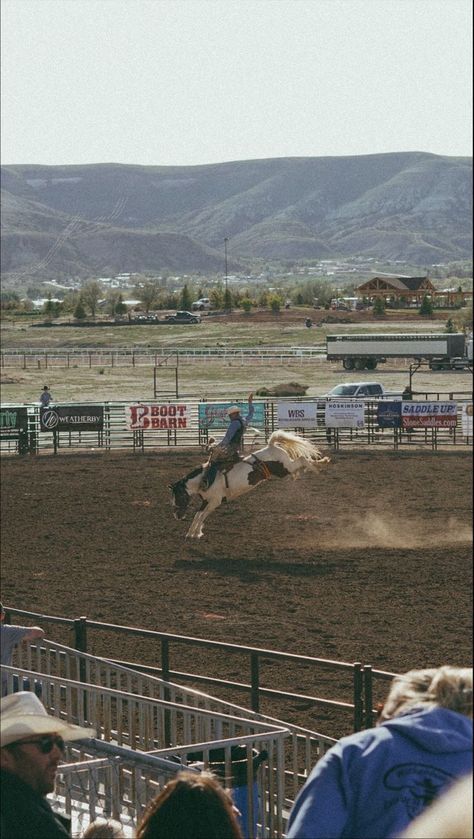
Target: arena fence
(302, 748)
(138, 723)
(37, 359)
(165, 424)
(168, 649)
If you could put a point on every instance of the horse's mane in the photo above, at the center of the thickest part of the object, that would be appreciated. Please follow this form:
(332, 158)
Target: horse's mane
(295, 446)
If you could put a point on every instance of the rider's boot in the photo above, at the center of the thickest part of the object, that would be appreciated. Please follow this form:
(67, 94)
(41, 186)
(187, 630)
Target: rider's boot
(208, 477)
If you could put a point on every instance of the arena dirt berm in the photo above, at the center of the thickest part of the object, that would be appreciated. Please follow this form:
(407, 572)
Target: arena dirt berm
(368, 561)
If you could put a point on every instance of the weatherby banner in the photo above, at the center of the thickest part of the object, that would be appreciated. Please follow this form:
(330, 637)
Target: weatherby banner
(297, 414)
(168, 417)
(72, 418)
(429, 414)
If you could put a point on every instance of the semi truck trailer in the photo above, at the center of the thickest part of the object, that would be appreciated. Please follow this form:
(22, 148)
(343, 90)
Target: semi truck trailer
(443, 351)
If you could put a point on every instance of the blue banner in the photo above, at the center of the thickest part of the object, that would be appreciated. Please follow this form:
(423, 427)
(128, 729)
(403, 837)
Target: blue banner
(214, 414)
(389, 414)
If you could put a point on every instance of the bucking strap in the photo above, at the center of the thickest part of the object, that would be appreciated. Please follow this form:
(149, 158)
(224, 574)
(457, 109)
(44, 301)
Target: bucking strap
(262, 467)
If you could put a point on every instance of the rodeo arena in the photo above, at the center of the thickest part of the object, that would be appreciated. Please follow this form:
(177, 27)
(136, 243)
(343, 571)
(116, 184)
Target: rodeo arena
(93, 498)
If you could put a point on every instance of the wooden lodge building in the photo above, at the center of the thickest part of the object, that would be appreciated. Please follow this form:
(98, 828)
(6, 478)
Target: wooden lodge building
(408, 292)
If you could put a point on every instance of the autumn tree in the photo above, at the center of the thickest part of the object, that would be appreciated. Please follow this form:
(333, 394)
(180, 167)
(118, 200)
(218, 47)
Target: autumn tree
(91, 293)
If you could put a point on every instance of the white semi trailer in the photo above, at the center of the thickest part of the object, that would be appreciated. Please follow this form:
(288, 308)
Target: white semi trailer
(443, 351)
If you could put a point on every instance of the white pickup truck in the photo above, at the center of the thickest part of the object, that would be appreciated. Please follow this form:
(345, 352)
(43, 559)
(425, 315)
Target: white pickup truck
(201, 305)
(355, 390)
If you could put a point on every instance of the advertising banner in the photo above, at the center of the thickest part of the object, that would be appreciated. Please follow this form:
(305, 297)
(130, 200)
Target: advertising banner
(214, 414)
(72, 418)
(297, 414)
(167, 417)
(389, 414)
(429, 414)
(341, 413)
(12, 420)
(466, 418)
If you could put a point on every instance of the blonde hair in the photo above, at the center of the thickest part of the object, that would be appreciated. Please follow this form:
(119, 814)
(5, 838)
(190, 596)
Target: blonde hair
(104, 829)
(443, 687)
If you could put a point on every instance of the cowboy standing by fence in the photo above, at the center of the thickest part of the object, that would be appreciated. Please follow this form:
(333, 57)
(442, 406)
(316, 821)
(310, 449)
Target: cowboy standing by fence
(46, 397)
(227, 451)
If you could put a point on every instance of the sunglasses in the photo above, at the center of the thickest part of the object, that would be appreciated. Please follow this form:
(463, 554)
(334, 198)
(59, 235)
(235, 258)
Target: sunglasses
(45, 744)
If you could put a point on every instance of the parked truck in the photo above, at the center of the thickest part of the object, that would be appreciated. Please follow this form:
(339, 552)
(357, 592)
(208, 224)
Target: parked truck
(443, 351)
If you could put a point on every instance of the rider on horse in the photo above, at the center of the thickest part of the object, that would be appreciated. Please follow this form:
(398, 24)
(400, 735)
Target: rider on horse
(227, 451)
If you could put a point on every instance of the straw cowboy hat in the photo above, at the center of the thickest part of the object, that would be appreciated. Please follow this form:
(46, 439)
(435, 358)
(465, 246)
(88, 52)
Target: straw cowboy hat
(234, 409)
(23, 714)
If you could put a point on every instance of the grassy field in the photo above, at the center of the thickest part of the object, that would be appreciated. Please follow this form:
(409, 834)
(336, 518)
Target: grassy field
(212, 379)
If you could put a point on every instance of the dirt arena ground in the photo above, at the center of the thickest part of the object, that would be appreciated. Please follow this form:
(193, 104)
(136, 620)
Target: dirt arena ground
(370, 561)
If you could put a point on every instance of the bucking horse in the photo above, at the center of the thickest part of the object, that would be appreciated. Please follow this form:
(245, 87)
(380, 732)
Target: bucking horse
(285, 454)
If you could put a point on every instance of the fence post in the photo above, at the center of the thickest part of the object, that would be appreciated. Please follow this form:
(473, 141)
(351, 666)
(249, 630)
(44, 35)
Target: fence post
(165, 675)
(358, 701)
(80, 643)
(254, 682)
(368, 701)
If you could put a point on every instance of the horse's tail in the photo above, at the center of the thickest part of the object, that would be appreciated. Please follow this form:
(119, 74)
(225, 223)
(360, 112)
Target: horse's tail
(297, 447)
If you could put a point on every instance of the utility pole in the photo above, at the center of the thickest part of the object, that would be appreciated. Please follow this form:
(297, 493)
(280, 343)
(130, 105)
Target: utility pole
(226, 274)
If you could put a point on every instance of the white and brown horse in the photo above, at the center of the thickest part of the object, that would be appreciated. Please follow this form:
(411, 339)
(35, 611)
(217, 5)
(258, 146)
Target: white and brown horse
(285, 454)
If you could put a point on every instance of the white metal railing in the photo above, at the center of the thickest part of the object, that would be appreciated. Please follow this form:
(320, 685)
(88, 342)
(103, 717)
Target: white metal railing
(166, 728)
(303, 747)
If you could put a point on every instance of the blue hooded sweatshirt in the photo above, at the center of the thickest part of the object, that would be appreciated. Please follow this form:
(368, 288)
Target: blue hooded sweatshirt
(372, 784)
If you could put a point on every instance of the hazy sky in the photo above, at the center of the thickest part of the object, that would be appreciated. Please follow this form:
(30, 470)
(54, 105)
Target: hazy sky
(181, 82)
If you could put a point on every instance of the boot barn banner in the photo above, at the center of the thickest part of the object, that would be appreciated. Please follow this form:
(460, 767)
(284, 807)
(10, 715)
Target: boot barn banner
(297, 414)
(214, 414)
(429, 414)
(340, 414)
(72, 418)
(168, 417)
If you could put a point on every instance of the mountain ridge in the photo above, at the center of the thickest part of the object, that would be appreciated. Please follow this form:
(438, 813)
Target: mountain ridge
(412, 206)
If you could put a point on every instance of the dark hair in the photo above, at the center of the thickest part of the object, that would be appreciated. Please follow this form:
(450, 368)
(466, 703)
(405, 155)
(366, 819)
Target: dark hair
(192, 806)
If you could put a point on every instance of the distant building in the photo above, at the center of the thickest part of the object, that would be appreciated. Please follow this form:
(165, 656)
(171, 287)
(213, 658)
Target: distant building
(408, 291)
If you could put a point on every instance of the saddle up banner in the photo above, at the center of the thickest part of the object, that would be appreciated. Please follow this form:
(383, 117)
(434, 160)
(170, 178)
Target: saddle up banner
(168, 417)
(429, 414)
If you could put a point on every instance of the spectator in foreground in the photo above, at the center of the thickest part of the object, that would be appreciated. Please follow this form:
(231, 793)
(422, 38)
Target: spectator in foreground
(450, 817)
(102, 828)
(31, 747)
(192, 806)
(9, 637)
(374, 783)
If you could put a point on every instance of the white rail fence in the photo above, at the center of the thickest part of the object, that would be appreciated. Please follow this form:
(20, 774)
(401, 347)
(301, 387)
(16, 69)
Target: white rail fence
(147, 714)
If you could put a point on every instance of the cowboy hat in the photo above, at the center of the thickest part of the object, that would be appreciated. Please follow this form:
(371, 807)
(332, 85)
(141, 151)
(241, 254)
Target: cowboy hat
(23, 714)
(234, 409)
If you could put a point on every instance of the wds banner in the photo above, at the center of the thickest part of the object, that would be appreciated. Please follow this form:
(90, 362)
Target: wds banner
(214, 414)
(429, 414)
(297, 414)
(344, 414)
(72, 418)
(156, 416)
